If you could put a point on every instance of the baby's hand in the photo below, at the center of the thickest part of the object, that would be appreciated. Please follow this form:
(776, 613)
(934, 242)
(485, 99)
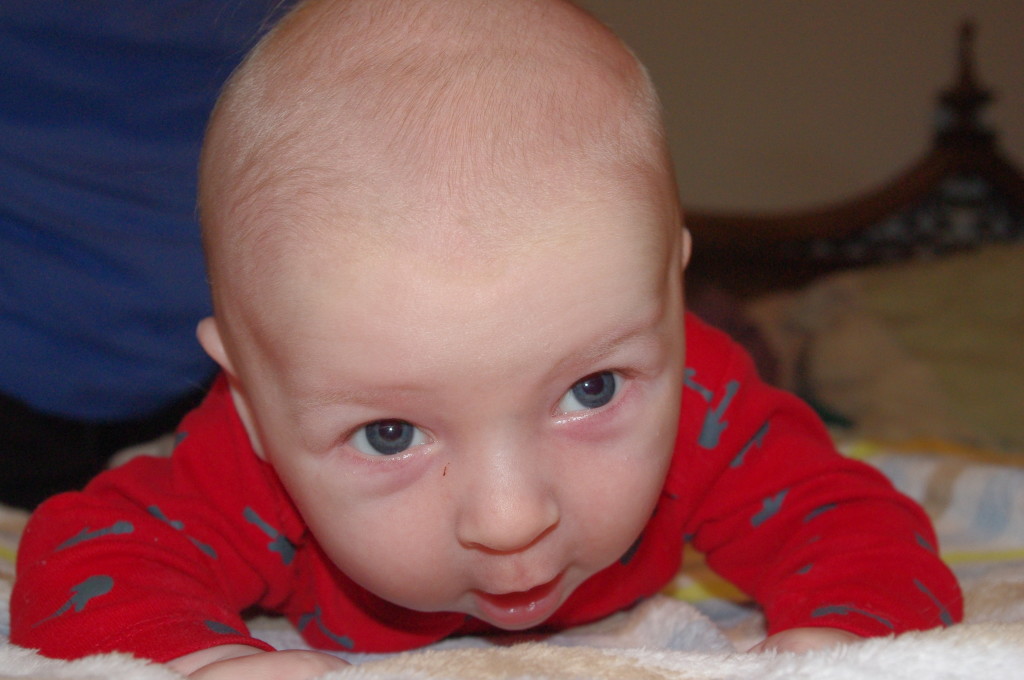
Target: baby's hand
(238, 662)
(805, 639)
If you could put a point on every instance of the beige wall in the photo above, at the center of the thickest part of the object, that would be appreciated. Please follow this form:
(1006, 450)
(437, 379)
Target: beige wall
(789, 104)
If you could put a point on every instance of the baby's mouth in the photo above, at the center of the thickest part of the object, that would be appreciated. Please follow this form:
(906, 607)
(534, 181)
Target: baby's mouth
(522, 609)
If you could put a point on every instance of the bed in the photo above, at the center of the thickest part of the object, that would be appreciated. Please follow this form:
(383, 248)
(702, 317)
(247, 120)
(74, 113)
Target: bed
(900, 317)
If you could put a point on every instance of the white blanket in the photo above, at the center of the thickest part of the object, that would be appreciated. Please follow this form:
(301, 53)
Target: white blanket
(663, 638)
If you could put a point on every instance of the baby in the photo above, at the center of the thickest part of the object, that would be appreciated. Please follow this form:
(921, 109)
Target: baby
(459, 389)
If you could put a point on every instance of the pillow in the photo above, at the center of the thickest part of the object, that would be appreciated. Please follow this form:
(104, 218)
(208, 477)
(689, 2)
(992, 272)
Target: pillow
(921, 349)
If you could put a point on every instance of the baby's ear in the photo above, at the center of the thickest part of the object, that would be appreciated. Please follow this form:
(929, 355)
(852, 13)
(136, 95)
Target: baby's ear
(210, 338)
(684, 248)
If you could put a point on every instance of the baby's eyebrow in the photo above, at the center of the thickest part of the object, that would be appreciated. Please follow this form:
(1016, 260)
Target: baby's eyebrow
(360, 397)
(593, 352)
(605, 345)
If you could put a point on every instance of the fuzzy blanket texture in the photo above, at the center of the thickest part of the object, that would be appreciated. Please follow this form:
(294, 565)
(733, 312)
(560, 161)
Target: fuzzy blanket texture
(700, 627)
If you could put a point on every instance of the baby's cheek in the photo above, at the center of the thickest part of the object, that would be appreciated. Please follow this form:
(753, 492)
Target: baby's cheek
(395, 549)
(614, 506)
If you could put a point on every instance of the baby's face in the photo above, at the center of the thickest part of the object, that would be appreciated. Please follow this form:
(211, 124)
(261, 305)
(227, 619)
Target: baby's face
(476, 437)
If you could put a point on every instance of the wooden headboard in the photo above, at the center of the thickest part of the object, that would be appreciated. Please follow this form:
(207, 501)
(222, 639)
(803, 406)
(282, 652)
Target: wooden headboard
(961, 194)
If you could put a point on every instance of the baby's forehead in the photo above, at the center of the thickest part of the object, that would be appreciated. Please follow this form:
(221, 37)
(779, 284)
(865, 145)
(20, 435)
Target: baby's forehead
(487, 226)
(294, 287)
(405, 242)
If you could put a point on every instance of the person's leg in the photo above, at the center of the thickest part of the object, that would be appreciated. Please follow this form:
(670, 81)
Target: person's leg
(43, 454)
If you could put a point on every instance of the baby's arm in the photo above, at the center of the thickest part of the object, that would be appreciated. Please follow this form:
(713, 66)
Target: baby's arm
(820, 541)
(238, 662)
(816, 539)
(103, 571)
(143, 569)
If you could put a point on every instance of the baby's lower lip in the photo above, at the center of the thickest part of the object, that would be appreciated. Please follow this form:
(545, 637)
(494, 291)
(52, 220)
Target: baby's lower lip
(520, 610)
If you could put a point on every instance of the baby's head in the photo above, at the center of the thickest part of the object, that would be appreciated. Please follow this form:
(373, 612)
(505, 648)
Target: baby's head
(446, 259)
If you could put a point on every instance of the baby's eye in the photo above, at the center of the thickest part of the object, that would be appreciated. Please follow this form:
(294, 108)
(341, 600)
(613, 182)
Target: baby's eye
(387, 437)
(591, 392)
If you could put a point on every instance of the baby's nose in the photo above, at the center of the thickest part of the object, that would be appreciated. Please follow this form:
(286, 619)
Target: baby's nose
(506, 507)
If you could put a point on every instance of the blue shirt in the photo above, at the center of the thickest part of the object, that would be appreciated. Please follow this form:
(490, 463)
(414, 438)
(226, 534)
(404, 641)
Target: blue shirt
(102, 111)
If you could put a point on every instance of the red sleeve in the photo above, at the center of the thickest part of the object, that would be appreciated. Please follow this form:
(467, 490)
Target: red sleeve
(815, 538)
(157, 558)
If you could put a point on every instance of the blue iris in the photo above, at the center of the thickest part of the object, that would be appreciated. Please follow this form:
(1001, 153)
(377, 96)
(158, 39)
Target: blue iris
(388, 437)
(595, 390)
